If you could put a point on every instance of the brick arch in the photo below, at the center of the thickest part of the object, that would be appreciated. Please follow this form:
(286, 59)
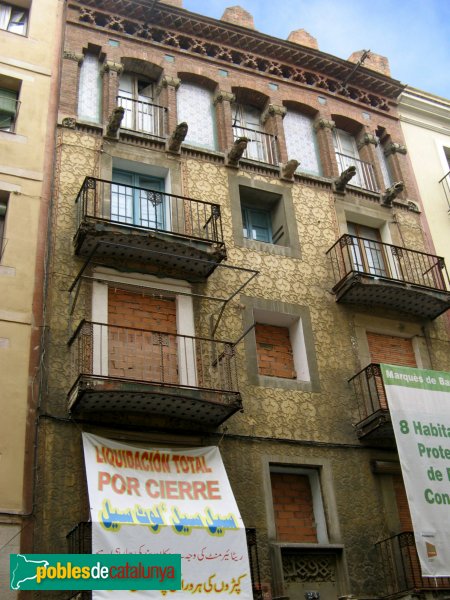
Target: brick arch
(198, 79)
(139, 66)
(347, 124)
(250, 96)
(300, 107)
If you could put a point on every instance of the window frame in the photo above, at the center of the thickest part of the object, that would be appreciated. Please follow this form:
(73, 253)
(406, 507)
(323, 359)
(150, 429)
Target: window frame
(16, 8)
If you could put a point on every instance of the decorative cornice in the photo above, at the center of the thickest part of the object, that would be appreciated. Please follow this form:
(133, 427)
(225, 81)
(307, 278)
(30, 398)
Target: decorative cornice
(322, 123)
(112, 66)
(271, 110)
(394, 148)
(75, 56)
(177, 28)
(222, 96)
(367, 138)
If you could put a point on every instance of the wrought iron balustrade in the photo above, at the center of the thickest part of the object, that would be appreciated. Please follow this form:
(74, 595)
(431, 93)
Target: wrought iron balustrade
(445, 182)
(144, 117)
(261, 146)
(365, 174)
(352, 254)
(369, 391)
(116, 203)
(401, 566)
(154, 357)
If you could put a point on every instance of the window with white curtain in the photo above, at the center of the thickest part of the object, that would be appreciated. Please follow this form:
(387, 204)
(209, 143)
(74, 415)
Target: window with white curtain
(301, 141)
(195, 107)
(89, 95)
(13, 18)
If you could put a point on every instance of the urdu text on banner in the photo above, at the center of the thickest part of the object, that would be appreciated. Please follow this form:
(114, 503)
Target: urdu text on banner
(164, 501)
(419, 405)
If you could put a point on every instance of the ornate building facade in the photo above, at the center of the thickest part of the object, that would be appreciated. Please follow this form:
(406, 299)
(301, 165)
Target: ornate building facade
(236, 246)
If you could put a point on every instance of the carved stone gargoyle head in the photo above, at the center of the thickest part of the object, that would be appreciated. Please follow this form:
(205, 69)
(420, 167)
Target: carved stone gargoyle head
(237, 150)
(112, 129)
(392, 192)
(177, 137)
(288, 169)
(340, 183)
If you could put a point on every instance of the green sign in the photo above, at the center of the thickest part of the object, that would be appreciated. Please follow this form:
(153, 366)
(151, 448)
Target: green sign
(95, 571)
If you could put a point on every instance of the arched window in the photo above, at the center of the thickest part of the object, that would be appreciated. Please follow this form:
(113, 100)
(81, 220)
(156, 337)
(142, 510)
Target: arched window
(301, 141)
(195, 107)
(137, 97)
(347, 155)
(89, 94)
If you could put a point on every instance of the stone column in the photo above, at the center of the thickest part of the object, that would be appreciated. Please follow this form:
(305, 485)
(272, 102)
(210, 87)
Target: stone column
(366, 143)
(323, 127)
(110, 72)
(71, 75)
(272, 119)
(167, 93)
(224, 119)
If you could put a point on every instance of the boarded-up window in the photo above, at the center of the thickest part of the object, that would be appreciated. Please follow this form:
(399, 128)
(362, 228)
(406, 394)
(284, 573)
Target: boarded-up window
(293, 507)
(391, 349)
(301, 141)
(274, 351)
(195, 107)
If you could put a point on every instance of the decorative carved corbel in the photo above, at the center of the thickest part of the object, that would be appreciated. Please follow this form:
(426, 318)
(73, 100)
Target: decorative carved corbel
(392, 192)
(288, 169)
(394, 148)
(322, 123)
(237, 150)
(112, 129)
(272, 110)
(177, 138)
(112, 66)
(75, 56)
(69, 122)
(223, 96)
(366, 139)
(340, 183)
(167, 81)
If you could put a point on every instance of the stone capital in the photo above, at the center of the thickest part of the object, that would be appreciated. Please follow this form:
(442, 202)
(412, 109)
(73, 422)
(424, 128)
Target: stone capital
(75, 56)
(367, 138)
(69, 122)
(168, 81)
(394, 148)
(110, 66)
(272, 110)
(222, 96)
(322, 123)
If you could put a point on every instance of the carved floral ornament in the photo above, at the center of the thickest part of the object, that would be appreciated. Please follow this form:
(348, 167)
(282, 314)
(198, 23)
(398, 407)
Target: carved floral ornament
(236, 57)
(223, 96)
(322, 123)
(167, 81)
(271, 110)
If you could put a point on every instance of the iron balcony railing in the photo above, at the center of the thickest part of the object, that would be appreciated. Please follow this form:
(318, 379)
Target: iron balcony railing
(352, 254)
(79, 541)
(369, 391)
(154, 357)
(401, 566)
(147, 209)
(144, 117)
(445, 182)
(261, 146)
(365, 174)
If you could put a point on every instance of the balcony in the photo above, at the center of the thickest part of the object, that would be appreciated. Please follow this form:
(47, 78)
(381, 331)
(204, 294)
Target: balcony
(122, 370)
(79, 541)
(143, 117)
(261, 146)
(365, 174)
(172, 235)
(445, 183)
(374, 418)
(401, 567)
(372, 274)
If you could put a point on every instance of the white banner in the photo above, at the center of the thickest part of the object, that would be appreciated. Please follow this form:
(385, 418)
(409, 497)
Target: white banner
(152, 501)
(419, 405)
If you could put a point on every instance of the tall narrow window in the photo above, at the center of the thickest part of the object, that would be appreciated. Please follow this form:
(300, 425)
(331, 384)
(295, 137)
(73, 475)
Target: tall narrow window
(13, 18)
(195, 107)
(301, 141)
(137, 97)
(367, 250)
(347, 155)
(89, 96)
(3, 208)
(247, 123)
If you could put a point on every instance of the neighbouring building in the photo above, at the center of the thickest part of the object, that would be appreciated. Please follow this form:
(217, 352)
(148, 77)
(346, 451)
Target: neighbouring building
(232, 258)
(30, 35)
(425, 120)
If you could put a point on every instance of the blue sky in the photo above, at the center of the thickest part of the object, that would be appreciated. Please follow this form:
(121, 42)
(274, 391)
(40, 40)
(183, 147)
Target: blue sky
(413, 34)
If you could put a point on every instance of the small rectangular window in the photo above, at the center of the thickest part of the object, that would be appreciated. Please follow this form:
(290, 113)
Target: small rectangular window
(9, 106)
(263, 216)
(13, 18)
(256, 224)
